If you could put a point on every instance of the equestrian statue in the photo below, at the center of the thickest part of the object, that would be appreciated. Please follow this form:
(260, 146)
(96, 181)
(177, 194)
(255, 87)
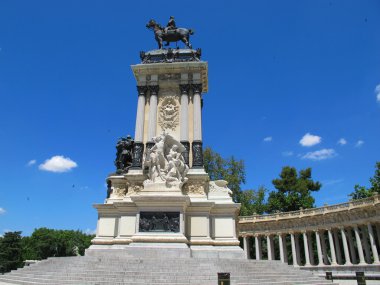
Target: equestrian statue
(170, 33)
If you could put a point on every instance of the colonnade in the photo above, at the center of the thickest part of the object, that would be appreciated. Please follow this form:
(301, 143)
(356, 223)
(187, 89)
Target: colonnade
(152, 91)
(356, 244)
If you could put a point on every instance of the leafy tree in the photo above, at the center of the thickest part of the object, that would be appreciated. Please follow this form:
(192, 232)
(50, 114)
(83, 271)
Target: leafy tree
(293, 191)
(229, 169)
(363, 192)
(10, 251)
(253, 201)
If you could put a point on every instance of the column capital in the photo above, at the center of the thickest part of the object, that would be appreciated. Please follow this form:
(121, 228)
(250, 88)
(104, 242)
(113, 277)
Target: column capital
(184, 89)
(142, 90)
(197, 88)
(153, 89)
(257, 235)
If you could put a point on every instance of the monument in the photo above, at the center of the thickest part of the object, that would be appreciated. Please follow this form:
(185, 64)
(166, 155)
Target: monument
(160, 198)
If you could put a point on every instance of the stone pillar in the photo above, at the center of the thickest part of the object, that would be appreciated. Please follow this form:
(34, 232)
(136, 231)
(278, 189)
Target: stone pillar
(270, 247)
(306, 246)
(246, 246)
(184, 120)
(337, 247)
(152, 111)
(324, 249)
(294, 254)
(283, 250)
(351, 245)
(197, 127)
(332, 247)
(359, 245)
(319, 248)
(345, 247)
(298, 253)
(258, 247)
(367, 251)
(373, 244)
(138, 148)
(311, 251)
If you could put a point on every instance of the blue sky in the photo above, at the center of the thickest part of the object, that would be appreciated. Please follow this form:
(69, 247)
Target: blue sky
(278, 70)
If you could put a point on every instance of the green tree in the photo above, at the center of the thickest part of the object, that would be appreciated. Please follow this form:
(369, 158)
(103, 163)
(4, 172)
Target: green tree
(253, 201)
(293, 191)
(10, 251)
(363, 192)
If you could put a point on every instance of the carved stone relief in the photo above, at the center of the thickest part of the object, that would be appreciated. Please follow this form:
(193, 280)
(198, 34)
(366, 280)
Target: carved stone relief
(169, 113)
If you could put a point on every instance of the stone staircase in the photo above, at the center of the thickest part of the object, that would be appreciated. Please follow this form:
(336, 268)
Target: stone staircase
(101, 270)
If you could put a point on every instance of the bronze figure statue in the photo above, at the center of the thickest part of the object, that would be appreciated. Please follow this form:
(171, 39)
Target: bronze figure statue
(170, 34)
(123, 159)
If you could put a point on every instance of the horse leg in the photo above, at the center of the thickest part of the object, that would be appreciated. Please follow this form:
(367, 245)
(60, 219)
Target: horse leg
(159, 42)
(185, 40)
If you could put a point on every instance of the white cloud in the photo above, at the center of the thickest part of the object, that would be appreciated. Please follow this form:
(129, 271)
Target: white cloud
(58, 164)
(2, 211)
(377, 91)
(287, 153)
(320, 154)
(90, 232)
(31, 162)
(342, 141)
(310, 140)
(359, 143)
(268, 139)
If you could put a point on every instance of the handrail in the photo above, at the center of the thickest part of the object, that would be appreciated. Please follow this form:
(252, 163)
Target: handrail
(312, 211)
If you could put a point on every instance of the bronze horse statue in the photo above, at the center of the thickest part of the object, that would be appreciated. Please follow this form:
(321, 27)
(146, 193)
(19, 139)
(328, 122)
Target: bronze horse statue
(175, 35)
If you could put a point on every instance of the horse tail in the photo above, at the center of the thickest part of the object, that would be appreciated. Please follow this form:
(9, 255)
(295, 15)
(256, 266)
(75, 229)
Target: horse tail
(191, 32)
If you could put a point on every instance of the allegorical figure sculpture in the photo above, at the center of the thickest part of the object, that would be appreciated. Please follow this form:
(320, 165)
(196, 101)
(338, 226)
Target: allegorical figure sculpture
(123, 159)
(169, 34)
(165, 162)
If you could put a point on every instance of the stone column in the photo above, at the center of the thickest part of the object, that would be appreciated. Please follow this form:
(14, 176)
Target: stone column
(319, 248)
(298, 253)
(246, 246)
(258, 247)
(138, 148)
(283, 250)
(270, 247)
(367, 251)
(311, 251)
(184, 120)
(294, 254)
(351, 245)
(345, 247)
(337, 247)
(324, 249)
(373, 244)
(152, 112)
(332, 247)
(306, 246)
(359, 245)
(197, 127)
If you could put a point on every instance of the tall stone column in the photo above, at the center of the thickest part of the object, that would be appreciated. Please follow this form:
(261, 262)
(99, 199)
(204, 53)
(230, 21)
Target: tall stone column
(367, 251)
(337, 247)
(283, 250)
(246, 247)
(258, 247)
(319, 248)
(345, 247)
(270, 247)
(152, 113)
(298, 252)
(138, 148)
(184, 120)
(324, 249)
(306, 246)
(294, 254)
(351, 245)
(197, 127)
(359, 245)
(332, 247)
(373, 244)
(311, 251)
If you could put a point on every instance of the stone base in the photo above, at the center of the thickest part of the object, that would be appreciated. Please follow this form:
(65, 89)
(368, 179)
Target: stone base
(204, 251)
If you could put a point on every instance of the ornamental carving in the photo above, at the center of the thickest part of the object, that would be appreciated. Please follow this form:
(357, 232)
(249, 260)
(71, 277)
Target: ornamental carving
(134, 187)
(169, 113)
(196, 187)
(118, 190)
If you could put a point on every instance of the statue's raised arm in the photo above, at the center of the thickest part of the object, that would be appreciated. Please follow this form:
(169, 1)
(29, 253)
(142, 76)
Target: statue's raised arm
(170, 34)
